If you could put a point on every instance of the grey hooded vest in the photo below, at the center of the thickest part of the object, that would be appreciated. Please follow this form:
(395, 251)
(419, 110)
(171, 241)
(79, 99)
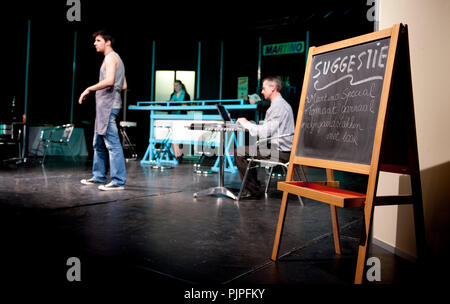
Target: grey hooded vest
(109, 97)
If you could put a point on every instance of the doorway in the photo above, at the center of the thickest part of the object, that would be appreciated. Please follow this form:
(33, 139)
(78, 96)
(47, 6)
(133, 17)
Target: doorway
(164, 83)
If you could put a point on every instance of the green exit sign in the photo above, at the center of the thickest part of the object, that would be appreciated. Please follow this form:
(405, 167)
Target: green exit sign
(296, 47)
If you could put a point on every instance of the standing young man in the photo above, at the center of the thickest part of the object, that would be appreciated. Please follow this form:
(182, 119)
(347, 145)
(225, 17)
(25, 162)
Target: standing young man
(108, 100)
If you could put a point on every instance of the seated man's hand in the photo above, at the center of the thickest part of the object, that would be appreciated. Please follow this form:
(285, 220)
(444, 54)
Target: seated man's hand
(242, 120)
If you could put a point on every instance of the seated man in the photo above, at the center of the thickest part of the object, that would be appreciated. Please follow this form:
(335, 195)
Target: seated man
(279, 120)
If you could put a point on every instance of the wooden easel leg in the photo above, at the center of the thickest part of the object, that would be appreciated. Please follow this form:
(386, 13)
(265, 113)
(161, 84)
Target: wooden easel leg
(419, 224)
(363, 243)
(280, 226)
(416, 185)
(360, 263)
(336, 234)
(334, 218)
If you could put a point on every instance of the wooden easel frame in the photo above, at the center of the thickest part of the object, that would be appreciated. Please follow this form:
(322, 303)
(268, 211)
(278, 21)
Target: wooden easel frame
(401, 159)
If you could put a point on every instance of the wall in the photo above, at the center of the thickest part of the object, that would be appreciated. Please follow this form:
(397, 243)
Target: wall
(428, 22)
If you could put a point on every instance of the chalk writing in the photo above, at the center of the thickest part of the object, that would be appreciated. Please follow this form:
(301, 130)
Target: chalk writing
(341, 105)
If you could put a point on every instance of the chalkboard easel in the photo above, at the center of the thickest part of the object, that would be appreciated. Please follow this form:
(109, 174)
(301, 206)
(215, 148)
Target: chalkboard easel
(356, 114)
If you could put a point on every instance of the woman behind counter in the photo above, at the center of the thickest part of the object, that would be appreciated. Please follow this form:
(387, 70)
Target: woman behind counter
(179, 94)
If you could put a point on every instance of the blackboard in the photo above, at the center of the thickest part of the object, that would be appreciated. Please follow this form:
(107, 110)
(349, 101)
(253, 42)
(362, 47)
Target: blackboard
(342, 101)
(356, 115)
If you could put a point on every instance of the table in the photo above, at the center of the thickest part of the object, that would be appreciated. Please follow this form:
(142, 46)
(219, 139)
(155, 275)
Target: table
(220, 189)
(171, 111)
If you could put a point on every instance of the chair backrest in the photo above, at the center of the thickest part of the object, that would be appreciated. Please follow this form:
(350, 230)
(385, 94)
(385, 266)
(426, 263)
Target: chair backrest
(59, 134)
(67, 133)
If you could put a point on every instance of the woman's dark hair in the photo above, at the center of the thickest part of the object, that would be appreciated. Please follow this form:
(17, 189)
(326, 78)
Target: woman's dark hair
(186, 95)
(181, 84)
(105, 35)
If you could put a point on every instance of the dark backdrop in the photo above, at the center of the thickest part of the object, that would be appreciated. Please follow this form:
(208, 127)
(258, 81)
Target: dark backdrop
(176, 28)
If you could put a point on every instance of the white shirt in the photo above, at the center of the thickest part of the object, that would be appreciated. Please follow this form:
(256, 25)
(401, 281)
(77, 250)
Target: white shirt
(279, 120)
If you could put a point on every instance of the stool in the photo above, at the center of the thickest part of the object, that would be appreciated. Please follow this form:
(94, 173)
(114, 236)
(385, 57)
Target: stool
(126, 140)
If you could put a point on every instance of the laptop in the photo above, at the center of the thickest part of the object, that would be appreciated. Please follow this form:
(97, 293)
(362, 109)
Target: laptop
(227, 118)
(224, 114)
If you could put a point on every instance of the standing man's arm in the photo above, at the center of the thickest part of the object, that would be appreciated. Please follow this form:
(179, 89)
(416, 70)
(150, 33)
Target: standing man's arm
(110, 66)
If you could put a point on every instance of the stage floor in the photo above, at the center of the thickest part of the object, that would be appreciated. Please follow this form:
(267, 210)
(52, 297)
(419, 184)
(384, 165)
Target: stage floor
(156, 232)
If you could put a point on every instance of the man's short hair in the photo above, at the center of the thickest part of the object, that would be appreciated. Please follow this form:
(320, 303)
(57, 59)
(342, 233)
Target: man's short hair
(105, 35)
(276, 82)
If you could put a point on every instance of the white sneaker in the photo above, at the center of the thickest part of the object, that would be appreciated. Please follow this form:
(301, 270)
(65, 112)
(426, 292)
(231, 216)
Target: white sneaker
(90, 181)
(110, 186)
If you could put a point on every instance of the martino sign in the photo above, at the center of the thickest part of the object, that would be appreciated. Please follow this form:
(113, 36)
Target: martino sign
(284, 48)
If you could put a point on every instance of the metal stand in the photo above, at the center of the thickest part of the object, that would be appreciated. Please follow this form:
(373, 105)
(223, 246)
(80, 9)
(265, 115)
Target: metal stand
(126, 124)
(126, 140)
(21, 136)
(220, 189)
(161, 167)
